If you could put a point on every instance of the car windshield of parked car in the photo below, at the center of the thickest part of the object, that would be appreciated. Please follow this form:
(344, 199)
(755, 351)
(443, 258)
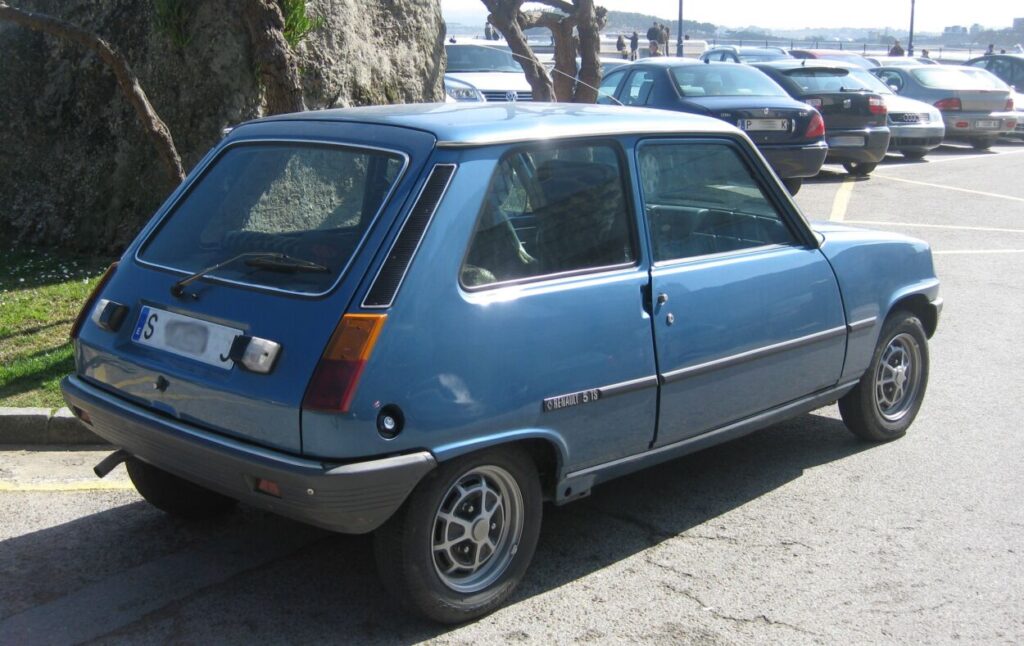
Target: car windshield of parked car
(723, 80)
(478, 58)
(830, 79)
(312, 204)
(950, 77)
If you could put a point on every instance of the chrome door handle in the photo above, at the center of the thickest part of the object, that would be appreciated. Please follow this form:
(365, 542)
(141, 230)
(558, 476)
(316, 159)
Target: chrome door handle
(662, 298)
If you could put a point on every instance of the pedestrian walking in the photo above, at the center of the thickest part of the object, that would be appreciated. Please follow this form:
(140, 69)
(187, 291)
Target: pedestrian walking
(990, 51)
(653, 50)
(665, 39)
(924, 54)
(654, 33)
(896, 49)
(488, 33)
(620, 46)
(634, 45)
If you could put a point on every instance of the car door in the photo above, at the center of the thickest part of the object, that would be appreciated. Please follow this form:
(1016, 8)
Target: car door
(637, 87)
(746, 310)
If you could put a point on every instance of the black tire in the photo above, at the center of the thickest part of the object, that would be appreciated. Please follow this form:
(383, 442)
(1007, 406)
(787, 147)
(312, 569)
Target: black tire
(860, 169)
(862, 410)
(410, 565)
(914, 154)
(793, 184)
(982, 143)
(174, 495)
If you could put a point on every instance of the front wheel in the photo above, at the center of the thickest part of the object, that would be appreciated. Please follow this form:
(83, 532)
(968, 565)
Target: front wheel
(463, 540)
(860, 169)
(886, 400)
(793, 184)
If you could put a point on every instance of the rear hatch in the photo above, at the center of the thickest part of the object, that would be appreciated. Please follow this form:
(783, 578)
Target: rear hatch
(294, 212)
(845, 100)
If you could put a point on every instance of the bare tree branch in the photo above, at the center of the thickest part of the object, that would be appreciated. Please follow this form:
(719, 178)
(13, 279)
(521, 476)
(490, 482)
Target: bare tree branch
(561, 27)
(505, 15)
(126, 79)
(277, 67)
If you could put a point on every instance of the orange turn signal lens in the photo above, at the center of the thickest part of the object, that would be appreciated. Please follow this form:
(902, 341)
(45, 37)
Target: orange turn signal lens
(337, 374)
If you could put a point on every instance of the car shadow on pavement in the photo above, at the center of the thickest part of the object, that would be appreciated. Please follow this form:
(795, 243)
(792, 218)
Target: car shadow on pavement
(826, 176)
(130, 573)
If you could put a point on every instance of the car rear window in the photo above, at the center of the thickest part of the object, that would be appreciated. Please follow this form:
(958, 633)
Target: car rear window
(724, 80)
(311, 203)
(947, 78)
(826, 79)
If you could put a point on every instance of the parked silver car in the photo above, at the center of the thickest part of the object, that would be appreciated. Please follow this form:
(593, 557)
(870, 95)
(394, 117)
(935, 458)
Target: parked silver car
(916, 126)
(901, 61)
(976, 106)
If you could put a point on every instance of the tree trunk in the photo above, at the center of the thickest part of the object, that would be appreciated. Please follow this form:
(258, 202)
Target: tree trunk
(505, 17)
(589, 22)
(126, 79)
(275, 63)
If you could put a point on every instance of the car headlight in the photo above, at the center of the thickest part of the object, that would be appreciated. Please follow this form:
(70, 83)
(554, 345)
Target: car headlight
(462, 93)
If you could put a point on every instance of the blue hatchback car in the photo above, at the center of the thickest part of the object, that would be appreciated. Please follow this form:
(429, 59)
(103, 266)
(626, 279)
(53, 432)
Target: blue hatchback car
(427, 320)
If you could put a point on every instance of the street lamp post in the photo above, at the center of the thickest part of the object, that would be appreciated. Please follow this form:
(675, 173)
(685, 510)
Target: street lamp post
(910, 40)
(679, 31)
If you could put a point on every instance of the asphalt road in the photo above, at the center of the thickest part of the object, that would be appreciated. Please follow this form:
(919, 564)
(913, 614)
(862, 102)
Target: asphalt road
(796, 534)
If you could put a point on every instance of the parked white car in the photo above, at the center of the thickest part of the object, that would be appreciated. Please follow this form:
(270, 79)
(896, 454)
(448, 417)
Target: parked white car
(484, 71)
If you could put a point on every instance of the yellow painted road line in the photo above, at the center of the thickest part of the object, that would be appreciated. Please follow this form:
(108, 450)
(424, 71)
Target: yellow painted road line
(875, 223)
(841, 200)
(952, 188)
(973, 251)
(50, 487)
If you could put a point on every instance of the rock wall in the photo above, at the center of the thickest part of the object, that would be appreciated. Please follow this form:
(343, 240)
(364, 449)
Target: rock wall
(76, 169)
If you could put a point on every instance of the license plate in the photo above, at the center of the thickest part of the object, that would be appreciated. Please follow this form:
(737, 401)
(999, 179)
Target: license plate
(185, 336)
(846, 141)
(765, 124)
(987, 123)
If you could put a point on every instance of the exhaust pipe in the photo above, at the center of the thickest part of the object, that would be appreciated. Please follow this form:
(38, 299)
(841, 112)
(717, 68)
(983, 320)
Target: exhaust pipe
(108, 463)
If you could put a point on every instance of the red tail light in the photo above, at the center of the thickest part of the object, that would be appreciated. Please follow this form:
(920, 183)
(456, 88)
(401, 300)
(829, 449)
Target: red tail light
(949, 105)
(816, 128)
(1009, 104)
(76, 327)
(337, 374)
(876, 105)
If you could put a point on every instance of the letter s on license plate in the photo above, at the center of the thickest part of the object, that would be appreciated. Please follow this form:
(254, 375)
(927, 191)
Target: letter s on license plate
(185, 336)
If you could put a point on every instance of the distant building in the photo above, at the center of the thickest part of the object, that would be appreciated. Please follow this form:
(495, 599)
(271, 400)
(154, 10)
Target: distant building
(955, 30)
(1018, 24)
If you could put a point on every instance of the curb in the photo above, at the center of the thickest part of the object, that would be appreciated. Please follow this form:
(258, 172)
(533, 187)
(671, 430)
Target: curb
(43, 426)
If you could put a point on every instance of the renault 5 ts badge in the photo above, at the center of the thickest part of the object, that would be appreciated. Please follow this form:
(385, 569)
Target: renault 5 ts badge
(572, 399)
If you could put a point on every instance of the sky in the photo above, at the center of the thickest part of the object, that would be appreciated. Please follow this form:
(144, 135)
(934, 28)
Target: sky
(930, 15)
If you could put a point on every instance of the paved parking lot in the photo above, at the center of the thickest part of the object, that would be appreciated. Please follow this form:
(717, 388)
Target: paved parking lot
(795, 534)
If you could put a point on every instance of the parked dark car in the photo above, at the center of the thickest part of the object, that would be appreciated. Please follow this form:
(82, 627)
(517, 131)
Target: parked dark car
(1010, 70)
(832, 55)
(789, 133)
(733, 54)
(427, 320)
(855, 116)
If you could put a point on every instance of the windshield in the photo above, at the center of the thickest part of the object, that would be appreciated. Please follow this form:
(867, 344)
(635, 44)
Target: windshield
(477, 58)
(724, 80)
(966, 78)
(308, 202)
(834, 79)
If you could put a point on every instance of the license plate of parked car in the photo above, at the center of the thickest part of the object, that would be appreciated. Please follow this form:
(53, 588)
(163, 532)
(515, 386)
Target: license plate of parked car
(765, 124)
(186, 336)
(987, 123)
(846, 141)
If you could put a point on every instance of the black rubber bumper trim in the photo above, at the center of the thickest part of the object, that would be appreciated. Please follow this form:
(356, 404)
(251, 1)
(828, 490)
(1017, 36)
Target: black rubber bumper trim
(352, 498)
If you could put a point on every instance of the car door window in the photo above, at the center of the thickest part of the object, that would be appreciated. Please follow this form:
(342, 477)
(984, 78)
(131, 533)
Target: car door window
(551, 210)
(638, 88)
(702, 198)
(606, 91)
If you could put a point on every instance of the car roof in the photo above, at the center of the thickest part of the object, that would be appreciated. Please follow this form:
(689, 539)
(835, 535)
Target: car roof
(810, 63)
(667, 61)
(479, 124)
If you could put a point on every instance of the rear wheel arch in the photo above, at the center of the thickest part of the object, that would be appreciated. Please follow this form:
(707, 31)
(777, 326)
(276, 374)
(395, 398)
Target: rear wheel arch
(547, 450)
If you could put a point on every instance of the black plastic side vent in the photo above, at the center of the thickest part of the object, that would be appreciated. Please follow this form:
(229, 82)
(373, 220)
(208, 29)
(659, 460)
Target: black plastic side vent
(392, 272)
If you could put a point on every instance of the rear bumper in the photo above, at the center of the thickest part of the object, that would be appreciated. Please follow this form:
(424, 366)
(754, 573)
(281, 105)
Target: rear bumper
(960, 125)
(351, 498)
(795, 160)
(876, 142)
(916, 136)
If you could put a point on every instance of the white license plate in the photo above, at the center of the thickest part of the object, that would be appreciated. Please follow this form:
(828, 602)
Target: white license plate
(846, 141)
(185, 336)
(987, 123)
(775, 125)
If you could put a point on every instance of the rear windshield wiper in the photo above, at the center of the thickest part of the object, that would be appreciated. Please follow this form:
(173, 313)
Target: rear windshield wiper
(279, 260)
(287, 264)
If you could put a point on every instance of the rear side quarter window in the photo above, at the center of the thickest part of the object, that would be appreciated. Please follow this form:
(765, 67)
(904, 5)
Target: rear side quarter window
(552, 210)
